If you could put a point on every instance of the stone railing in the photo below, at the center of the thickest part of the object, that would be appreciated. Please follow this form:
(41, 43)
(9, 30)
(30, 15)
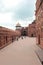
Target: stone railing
(6, 39)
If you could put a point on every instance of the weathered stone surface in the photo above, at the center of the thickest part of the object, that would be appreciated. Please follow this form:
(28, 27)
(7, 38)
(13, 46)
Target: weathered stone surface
(7, 36)
(39, 22)
(32, 29)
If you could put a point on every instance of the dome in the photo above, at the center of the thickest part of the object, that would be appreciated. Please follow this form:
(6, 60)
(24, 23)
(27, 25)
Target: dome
(18, 25)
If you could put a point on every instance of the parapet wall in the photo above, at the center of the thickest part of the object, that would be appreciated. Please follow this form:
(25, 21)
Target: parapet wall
(7, 36)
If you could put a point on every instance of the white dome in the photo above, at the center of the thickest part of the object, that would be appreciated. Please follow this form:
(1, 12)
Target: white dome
(17, 25)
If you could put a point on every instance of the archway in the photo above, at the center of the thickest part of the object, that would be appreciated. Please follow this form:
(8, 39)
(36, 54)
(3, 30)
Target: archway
(24, 33)
(32, 35)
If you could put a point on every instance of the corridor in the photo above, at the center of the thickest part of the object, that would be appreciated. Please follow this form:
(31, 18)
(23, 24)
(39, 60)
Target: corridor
(21, 52)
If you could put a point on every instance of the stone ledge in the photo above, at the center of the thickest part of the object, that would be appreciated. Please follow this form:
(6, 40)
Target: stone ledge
(39, 53)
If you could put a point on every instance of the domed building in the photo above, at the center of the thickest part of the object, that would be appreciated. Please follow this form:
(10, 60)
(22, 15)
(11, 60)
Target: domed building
(22, 30)
(18, 26)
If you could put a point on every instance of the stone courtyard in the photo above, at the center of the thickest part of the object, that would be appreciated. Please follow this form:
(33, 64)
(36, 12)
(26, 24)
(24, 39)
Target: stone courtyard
(21, 52)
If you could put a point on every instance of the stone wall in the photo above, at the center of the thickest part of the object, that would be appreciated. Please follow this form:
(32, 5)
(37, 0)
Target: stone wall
(39, 22)
(38, 4)
(32, 29)
(24, 31)
(7, 36)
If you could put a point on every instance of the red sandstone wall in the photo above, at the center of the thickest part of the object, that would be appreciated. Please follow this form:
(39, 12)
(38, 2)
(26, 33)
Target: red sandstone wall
(38, 4)
(7, 36)
(32, 30)
(24, 29)
(39, 22)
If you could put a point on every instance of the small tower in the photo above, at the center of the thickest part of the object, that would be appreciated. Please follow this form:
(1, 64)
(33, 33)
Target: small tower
(18, 26)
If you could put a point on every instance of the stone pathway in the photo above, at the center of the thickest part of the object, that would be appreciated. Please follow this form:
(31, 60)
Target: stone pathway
(20, 52)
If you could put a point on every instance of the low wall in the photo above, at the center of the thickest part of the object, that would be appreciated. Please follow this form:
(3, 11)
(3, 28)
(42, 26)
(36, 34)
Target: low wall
(7, 36)
(5, 40)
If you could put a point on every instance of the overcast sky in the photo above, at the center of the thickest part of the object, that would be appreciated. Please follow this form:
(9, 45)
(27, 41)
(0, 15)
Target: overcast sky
(14, 11)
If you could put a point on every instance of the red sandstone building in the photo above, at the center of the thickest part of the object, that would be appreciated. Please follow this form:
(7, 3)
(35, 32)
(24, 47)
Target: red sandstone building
(32, 29)
(39, 22)
(27, 31)
(22, 30)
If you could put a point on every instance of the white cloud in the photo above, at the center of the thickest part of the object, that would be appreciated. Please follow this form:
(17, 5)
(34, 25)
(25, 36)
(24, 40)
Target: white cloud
(11, 3)
(7, 10)
(5, 17)
(6, 20)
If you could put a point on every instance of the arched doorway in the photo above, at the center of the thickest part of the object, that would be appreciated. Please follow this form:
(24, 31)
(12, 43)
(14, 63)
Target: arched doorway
(24, 33)
(32, 35)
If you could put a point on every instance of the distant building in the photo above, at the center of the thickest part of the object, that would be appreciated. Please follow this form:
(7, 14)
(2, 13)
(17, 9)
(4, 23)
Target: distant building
(18, 26)
(32, 29)
(39, 22)
(24, 31)
(27, 31)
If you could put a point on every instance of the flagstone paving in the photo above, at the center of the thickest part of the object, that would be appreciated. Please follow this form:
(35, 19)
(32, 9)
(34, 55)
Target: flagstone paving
(21, 52)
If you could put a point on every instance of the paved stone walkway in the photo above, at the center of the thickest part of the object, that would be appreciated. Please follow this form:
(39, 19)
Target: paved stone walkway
(20, 52)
